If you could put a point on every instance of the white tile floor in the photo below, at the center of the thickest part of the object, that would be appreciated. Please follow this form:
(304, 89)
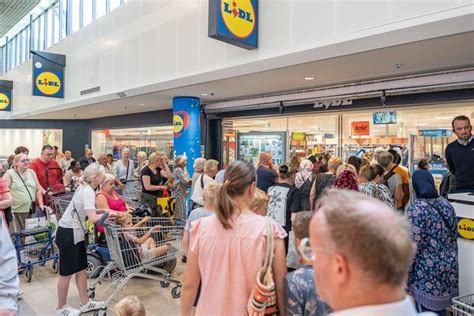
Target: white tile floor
(40, 297)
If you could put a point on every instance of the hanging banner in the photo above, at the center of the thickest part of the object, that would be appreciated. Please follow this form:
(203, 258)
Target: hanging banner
(434, 132)
(360, 128)
(48, 74)
(234, 22)
(6, 100)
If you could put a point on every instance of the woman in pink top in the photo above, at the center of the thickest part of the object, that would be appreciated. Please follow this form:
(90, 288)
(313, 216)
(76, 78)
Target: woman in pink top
(108, 199)
(227, 251)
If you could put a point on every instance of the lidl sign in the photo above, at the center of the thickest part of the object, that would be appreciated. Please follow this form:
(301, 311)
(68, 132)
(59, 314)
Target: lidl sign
(465, 228)
(234, 22)
(48, 74)
(6, 95)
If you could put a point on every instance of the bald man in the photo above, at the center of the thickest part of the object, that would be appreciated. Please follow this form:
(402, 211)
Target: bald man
(361, 253)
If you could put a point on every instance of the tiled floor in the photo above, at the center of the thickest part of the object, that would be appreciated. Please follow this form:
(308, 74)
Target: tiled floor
(40, 297)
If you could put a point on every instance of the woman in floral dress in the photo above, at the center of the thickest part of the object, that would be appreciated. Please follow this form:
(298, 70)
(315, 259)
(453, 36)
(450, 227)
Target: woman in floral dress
(183, 182)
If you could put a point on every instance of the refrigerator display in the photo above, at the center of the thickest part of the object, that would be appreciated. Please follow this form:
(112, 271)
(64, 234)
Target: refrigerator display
(250, 145)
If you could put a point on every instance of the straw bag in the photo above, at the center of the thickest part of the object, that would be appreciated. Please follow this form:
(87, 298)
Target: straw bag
(262, 300)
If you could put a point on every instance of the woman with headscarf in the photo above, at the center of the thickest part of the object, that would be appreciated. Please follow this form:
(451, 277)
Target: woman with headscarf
(304, 182)
(347, 179)
(183, 182)
(433, 277)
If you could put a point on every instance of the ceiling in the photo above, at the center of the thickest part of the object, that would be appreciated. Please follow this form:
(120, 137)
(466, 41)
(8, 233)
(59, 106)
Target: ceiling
(450, 52)
(12, 11)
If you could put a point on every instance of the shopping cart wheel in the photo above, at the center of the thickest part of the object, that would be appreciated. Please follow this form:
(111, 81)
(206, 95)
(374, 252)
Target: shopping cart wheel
(28, 274)
(176, 291)
(55, 266)
(101, 312)
(93, 266)
(41, 258)
(164, 284)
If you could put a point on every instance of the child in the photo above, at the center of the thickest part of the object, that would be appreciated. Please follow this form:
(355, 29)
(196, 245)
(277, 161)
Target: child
(300, 292)
(259, 202)
(147, 247)
(130, 306)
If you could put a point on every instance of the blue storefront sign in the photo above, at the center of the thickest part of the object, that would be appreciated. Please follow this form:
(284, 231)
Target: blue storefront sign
(434, 132)
(187, 129)
(234, 22)
(48, 74)
(6, 99)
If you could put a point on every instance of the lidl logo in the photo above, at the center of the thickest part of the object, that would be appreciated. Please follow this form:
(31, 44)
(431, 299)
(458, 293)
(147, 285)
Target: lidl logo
(180, 123)
(239, 17)
(48, 83)
(466, 228)
(4, 101)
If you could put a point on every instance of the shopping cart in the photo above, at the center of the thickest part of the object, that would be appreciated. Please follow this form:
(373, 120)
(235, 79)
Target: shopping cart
(463, 305)
(132, 190)
(35, 246)
(59, 202)
(129, 259)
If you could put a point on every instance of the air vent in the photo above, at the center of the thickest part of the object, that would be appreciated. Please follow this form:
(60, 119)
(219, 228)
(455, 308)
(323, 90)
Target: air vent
(121, 94)
(91, 90)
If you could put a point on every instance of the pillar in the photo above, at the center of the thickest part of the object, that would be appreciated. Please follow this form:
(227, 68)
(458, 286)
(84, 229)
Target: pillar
(187, 129)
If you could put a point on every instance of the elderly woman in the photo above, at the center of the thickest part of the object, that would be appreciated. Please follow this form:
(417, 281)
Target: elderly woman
(24, 189)
(70, 239)
(433, 277)
(141, 162)
(304, 182)
(109, 199)
(198, 167)
(347, 179)
(210, 171)
(153, 180)
(183, 182)
(324, 180)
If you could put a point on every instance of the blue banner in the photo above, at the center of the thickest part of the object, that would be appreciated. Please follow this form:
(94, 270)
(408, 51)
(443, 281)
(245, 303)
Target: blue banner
(187, 129)
(434, 132)
(48, 74)
(6, 100)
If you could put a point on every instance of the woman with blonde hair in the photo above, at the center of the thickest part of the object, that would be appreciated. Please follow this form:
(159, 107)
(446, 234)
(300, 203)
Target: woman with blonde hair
(183, 182)
(153, 179)
(235, 238)
(25, 190)
(324, 180)
(70, 239)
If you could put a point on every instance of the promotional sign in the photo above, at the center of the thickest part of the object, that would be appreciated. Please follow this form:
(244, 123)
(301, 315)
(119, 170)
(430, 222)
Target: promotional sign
(298, 136)
(360, 128)
(234, 22)
(6, 100)
(385, 117)
(465, 228)
(187, 129)
(434, 132)
(48, 74)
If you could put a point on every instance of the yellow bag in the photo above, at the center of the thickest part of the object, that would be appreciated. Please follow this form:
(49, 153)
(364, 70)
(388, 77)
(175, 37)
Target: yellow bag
(167, 204)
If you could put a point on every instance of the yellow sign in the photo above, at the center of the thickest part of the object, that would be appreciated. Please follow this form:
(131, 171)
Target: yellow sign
(178, 124)
(4, 101)
(48, 83)
(238, 16)
(298, 136)
(466, 228)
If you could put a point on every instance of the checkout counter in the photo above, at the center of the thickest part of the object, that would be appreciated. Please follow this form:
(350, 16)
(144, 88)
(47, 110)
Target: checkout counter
(463, 204)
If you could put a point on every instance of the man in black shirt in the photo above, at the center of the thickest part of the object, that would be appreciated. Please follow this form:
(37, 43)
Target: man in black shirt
(460, 154)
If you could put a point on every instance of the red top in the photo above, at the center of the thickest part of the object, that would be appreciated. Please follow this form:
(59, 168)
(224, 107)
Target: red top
(54, 175)
(3, 188)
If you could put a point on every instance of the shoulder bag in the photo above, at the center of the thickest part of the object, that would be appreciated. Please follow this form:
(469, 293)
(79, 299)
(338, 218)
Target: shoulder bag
(262, 300)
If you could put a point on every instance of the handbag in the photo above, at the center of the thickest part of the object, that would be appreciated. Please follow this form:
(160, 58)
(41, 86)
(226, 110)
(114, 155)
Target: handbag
(262, 299)
(167, 204)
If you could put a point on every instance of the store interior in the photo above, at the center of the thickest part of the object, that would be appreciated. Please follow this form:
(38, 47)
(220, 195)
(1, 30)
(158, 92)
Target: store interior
(420, 132)
(34, 139)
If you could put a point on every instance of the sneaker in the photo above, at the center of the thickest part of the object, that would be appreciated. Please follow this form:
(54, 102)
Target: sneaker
(91, 306)
(68, 311)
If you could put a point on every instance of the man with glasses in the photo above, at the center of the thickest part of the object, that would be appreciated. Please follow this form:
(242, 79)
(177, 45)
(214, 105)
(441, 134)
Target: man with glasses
(47, 170)
(361, 252)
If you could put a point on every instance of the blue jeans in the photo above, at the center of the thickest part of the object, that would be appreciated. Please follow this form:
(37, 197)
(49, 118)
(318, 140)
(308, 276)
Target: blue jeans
(420, 308)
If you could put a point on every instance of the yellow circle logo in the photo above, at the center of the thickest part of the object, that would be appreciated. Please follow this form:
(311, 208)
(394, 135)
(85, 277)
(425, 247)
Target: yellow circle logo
(4, 101)
(238, 16)
(466, 228)
(48, 83)
(178, 124)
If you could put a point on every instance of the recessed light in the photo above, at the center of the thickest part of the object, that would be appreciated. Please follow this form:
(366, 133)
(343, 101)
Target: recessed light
(141, 104)
(204, 94)
(309, 78)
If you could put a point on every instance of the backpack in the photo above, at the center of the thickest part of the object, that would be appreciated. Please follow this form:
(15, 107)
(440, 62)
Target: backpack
(305, 188)
(390, 174)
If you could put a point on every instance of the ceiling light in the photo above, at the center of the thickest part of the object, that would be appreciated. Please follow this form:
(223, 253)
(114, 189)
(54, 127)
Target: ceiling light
(309, 78)
(204, 94)
(141, 104)
(444, 117)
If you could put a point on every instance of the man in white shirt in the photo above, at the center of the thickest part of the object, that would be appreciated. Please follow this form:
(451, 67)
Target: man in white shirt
(361, 252)
(65, 162)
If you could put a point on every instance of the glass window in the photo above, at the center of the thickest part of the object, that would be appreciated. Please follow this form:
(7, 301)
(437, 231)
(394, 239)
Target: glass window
(87, 13)
(50, 28)
(56, 23)
(100, 8)
(63, 19)
(147, 139)
(75, 16)
(114, 4)
(41, 38)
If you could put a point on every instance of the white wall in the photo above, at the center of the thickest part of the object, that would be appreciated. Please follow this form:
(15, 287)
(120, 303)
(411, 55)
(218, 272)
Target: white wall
(31, 138)
(149, 45)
